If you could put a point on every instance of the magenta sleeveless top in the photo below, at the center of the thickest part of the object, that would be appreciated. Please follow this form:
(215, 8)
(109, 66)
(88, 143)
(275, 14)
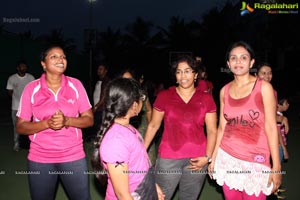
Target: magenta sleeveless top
(244, 135)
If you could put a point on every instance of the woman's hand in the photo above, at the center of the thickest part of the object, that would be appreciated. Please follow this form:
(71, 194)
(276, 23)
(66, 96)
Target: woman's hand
(160, 193)
(57, 121)
(198, 163)
(275, 178)
(210, 169)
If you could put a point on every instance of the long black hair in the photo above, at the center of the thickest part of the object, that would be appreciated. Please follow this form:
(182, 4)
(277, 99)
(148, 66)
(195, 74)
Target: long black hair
(120, 95)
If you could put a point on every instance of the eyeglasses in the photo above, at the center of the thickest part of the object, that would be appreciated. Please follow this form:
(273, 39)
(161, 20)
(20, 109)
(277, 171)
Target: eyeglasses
(185, 72)
(56, 57)
(242, 58)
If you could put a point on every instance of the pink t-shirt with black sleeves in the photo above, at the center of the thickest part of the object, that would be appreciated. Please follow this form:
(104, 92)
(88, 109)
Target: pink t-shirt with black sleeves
(40, 103)
(244, 135)
(183, 135)
(124, 145)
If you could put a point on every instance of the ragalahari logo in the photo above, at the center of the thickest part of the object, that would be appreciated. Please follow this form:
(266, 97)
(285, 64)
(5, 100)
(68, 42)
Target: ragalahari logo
(270, 8)
(246, 9)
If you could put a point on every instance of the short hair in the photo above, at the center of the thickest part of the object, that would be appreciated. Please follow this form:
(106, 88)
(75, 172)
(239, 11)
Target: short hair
(261, 64)
(104, 64)
(45, 52)
(185, 58)
(19, 62)
(282, 100)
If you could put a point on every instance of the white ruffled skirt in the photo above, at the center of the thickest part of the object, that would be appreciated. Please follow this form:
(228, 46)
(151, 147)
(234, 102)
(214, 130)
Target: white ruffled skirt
(241, 175)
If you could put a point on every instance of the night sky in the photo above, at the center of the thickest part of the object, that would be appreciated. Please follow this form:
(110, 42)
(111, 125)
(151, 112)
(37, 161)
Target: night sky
(73, 16)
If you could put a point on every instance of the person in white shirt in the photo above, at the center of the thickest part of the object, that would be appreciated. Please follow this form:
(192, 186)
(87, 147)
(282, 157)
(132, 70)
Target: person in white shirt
(103, 79)
(97, 92)
(98, 95)
(15, 86)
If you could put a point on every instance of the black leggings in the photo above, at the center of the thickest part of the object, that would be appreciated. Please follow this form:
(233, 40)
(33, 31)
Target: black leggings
(43, 179)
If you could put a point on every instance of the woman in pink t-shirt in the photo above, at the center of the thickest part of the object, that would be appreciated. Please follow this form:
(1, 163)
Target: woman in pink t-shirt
(53, 110)
(247, 133)
(120, 145)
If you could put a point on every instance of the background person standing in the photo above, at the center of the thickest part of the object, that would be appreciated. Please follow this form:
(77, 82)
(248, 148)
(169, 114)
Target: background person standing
(98, 95)
(15, 86)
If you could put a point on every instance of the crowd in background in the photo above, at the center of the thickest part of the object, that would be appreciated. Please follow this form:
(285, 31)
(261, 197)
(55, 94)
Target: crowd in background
(178, 127)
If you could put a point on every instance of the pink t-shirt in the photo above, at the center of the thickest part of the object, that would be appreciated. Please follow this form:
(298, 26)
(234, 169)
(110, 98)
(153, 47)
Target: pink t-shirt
(124, 145)
(244, 135)
(183, 135)
(39, 103)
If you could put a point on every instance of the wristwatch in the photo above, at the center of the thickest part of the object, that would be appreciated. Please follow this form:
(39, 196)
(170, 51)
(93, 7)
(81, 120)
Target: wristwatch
(208, 159)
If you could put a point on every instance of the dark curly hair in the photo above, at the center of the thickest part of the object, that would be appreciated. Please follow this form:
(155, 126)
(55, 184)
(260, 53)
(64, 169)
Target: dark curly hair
(45, 52)
(187, 59)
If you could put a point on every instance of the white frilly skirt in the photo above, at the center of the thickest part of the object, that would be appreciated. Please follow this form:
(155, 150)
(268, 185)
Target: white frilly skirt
(241, 175)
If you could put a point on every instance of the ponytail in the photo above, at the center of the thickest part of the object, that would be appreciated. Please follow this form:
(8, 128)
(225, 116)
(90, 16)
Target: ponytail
(96, 163)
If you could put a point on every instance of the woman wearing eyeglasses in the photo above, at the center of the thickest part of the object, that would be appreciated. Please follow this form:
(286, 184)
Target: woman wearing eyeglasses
(247, 133)
(185, 150)
(53, 110)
